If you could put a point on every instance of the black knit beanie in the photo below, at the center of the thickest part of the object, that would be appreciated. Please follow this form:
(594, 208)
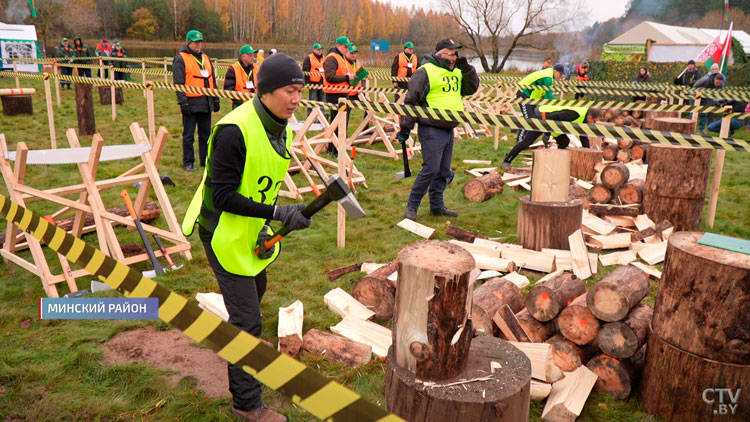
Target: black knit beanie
(278, 71)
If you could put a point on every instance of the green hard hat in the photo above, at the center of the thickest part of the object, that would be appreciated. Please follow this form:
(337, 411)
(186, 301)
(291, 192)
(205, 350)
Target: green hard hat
(194, 36)
(409, 44)
(343, 41)
(353, 48)
(246, 49)
(317, 46)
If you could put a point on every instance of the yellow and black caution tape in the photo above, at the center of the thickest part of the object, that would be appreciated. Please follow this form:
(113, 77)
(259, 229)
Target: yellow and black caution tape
(84, 66)
(312, 391)
(512, 122)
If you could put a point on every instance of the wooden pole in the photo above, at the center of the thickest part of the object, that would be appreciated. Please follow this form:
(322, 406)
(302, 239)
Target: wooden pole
(166, 81)
(718, 170)
(101, 68)
(150, 111)
(50, 113)
(342, 133)
(15, 69)
(57, 86)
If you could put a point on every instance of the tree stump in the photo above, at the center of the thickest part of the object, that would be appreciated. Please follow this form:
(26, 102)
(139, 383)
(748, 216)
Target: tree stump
(673, 124)
(618, 377)
(609, 152)
(491, 296)
(615, 175)
(105, 94)
(640, 152)
(600, 194)
(376, 292)
(546, 300)
(483, 188)
(616, 294)
(676, 185)
(502, 397)
(550, 175)
(630, 193)
(583, 161)
(648, 120)
(17, 104)
(675, 381)
(567, 355)
(85, 110)
(547, 224)
(431, 326)
(577, 323)
(705, 292)
(538, 331)
(624, 338)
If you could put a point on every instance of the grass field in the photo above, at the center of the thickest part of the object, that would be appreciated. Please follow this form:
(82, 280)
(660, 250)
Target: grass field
(51, 371)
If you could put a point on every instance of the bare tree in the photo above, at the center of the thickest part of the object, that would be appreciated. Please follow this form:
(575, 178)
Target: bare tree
(485, 24)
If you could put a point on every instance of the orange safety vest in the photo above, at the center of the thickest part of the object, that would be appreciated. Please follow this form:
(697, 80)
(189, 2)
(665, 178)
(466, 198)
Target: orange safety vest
(581, 75)
(193, 73)
(316, 66)
(403, 64)
(343, 68)
(241, 79)
(119, 53)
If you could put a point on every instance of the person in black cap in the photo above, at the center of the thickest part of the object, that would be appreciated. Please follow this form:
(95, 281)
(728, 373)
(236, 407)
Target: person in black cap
(248, 158)
(688, 76)
(440, 82)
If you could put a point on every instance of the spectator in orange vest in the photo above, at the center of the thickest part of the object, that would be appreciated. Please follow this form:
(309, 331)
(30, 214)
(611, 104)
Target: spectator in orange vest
(547, 63)
(242, 76)
(192, 68)
(404, 65)
(312, 67)
(338, 71)
(582, 74)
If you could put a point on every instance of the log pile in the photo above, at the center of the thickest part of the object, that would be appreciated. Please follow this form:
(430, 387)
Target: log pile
(618, 188)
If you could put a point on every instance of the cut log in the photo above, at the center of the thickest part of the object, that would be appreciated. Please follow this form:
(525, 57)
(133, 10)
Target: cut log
(583, 162)
(627, 143)
(630, 193)
(537, 331)
(530, 259)
(692, 396)
(618, 258)
(431, 326)
(369, 333)
(290, 328)
(340, 272)
(376, 292)
(676, 185)
(622, 339)
(550, 175)
(509, 326)
(577, 323)
(343, 305)
(569, 356)
(618, 210)
(648, 120)
(476, 394)
(340, 349)
(461, 234)
(616, 294)
(491, 296)
(579, 255)
(542, 363)
(637, 114)
(640, 152)
(545, 301)
(17, 104)
(702, 305)
(105, 95)
(673, 124)
(616, 376)
(85, 110)
(547, 224)
(615, 175)
(483, 188)
(624, 156)
(416, 228)
(568, 396)
(656, 230)
(609, 153)
(600, 194)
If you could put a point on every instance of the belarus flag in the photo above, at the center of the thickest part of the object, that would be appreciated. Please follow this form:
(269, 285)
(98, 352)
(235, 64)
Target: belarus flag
(714, 51)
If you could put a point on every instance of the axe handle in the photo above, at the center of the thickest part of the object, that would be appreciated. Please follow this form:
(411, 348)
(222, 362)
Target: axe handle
(404, 152)
(163, 250)
(149, 250)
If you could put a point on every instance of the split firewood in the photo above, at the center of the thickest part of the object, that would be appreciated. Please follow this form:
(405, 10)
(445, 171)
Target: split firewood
(214, 303)
(370, 333)
(290, 328)
(478, 249)
(651, 271)
(618, 258)
(509, 326)
(651, 231)
(538, 331)
(519, 280)
(622, 339)
(597, 224)
(539, 390)
(338, 348)
(579, 254)
(616, 294)
(532, 260)
(654, 254)
(568, 396)
(610, 241)
(577, 323)
(498, 264)
(567, 355)
(462, 234)
(542, 363)
(343, 304)
(376, 292)
(491, 296)
(417, 228)
(545, 301)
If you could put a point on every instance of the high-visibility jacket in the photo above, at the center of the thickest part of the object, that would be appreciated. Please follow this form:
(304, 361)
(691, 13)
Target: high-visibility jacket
(193, 70)
(241, 79)
(545, 78)
(343, 68)
(316, 68)
(235, 237)
(404, 68)
(445, 87)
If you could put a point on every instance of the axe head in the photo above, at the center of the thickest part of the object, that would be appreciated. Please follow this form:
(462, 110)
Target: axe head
(339, 191)
(401, 175)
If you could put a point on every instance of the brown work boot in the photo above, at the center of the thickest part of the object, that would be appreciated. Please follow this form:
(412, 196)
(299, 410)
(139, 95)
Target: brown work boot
(261, 414)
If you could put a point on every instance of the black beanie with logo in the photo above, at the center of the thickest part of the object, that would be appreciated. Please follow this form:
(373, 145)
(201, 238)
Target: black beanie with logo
(278, 71)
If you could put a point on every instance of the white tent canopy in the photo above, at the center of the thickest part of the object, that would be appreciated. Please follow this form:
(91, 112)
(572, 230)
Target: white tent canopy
(675, 43)
(18, 41)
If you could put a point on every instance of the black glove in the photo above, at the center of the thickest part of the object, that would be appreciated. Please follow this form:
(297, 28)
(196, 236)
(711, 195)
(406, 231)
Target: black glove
(402, 136)
(291, 216)
(463, 64)
(265, 235)
(217, 105)
(184, 108)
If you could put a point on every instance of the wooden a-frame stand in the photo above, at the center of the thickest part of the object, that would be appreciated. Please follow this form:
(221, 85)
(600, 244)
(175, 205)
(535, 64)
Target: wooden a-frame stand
(89, 202)
(375, 128)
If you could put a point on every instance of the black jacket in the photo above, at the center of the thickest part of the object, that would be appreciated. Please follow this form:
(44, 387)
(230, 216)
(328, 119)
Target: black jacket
(307, 67)
(202, 104)
(688, 78)
(419, 86)
(707, 82)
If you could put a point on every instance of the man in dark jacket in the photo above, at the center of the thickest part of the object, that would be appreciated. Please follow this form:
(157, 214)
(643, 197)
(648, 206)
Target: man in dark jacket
(64, 54)
(734, 124)
(440, 82)
(243, 75)
(338, 71)
(689, 76)
(193, 68)
(404, 65)
(118, 51)
(82, 50)
(314, 63)
(712, 81)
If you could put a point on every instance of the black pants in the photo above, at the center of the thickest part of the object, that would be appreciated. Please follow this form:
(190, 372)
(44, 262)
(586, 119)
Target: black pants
(436, 173)
(242, 296)
(189, 121)
(84, 72)
(529, 137)
(65, 71)
(316, 95)
(530, 112)
(334, 99)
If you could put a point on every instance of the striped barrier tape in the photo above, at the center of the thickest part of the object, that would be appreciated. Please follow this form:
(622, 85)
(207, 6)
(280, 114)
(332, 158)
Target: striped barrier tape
(325, 399)
(83, 66)
(512, 122)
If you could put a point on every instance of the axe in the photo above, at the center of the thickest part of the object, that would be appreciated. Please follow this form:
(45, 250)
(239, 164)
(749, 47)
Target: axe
(157, 267)
(336, 190)
(163, 250)
(407, 172)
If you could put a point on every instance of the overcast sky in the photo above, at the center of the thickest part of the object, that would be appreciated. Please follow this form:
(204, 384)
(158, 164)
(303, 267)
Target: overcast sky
(598, 10)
